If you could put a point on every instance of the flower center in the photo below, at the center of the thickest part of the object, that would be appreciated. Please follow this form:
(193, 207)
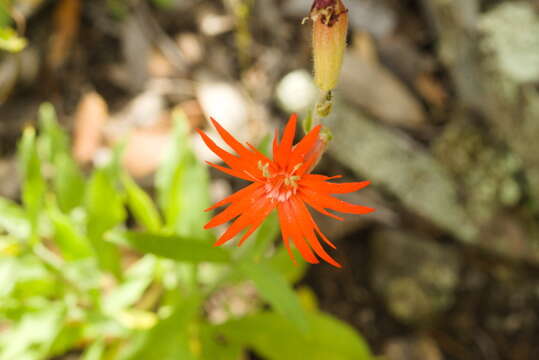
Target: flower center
(279, 186)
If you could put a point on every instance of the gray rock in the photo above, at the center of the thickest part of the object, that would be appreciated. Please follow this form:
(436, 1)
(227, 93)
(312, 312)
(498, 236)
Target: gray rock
(415, 276)
(389, 101)
(393, 161)
(416, 348)
(486, 171)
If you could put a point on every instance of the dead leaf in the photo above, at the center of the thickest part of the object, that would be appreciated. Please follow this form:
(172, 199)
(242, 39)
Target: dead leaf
(66, 27)
(90, 118)
(145, 147)
(365, 47)
(375, 89)
(431, 90)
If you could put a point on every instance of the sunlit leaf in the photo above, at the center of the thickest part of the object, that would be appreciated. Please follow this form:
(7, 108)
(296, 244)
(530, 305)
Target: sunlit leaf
(54, 147)
(272, 336)
(292, 271)
(72, 243)
(182, 184)
(5, 18)
(11, 41)
(141, 205)
(175, 247)
(13, 219)
(105, 210)
(8, 271)
(34, 335)
(136, 281)
(68, 336)
(31, 278)
(68, 182)
(33, 185)
(214, 348)
(274, 288)
(168, 340)
(52, 140)
(95, 351)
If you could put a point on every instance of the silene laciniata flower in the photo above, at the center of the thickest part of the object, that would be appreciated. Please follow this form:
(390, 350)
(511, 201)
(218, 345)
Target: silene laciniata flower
(283, 183)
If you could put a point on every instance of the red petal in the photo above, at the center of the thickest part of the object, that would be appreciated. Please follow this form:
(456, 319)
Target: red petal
(236, 208)
(285, 233)
(231, 160)
(325, 201)
(260, 155)
(333, 188)
(262, 214)
(306, 223)
(253, 215)
(287, 219)
(285, 147)
(275, 142)
(320, 209)
(232, 172)
(231, 141)
(304, 147)
(245, 192)
(308, 164)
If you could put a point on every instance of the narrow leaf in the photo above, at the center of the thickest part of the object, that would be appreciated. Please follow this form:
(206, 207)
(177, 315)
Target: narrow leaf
(274, 338)
(68, 183)
(274, 288)
(104, 206)
(176, 247)
(71, 242)
(182, 184)
(141, 205)
(13, 219)
(33, 187)
(169, 339)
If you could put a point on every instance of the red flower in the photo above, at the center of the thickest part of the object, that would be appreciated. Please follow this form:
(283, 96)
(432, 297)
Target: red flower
(285, 184)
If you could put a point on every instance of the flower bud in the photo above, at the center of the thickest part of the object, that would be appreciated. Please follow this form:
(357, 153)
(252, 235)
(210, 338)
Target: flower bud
(330, 25)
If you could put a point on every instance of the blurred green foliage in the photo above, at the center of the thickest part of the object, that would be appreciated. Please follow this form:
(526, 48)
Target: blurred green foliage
(77, 279)
(9, 39)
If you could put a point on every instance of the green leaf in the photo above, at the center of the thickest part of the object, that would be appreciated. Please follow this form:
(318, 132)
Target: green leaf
(13, 219)
(72, 243)
(34, 335)
(33, 187)
(95, 351)
(292, 271)
(11, 41)
(105, 210)
(141, 205)
(31, 278)
(53, 140)
(170, 339)
(68, 182)
(54, 148)
(164, 4)
(274, 288)
(176, 247)
(182, 184)
(214, 348)
(69, 335)
(265, 145)
(5, 17)
(274, 338)
(8, 272)
(137, 280)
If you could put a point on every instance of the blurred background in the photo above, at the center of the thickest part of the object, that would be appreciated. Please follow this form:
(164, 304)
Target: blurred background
(438, 106)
